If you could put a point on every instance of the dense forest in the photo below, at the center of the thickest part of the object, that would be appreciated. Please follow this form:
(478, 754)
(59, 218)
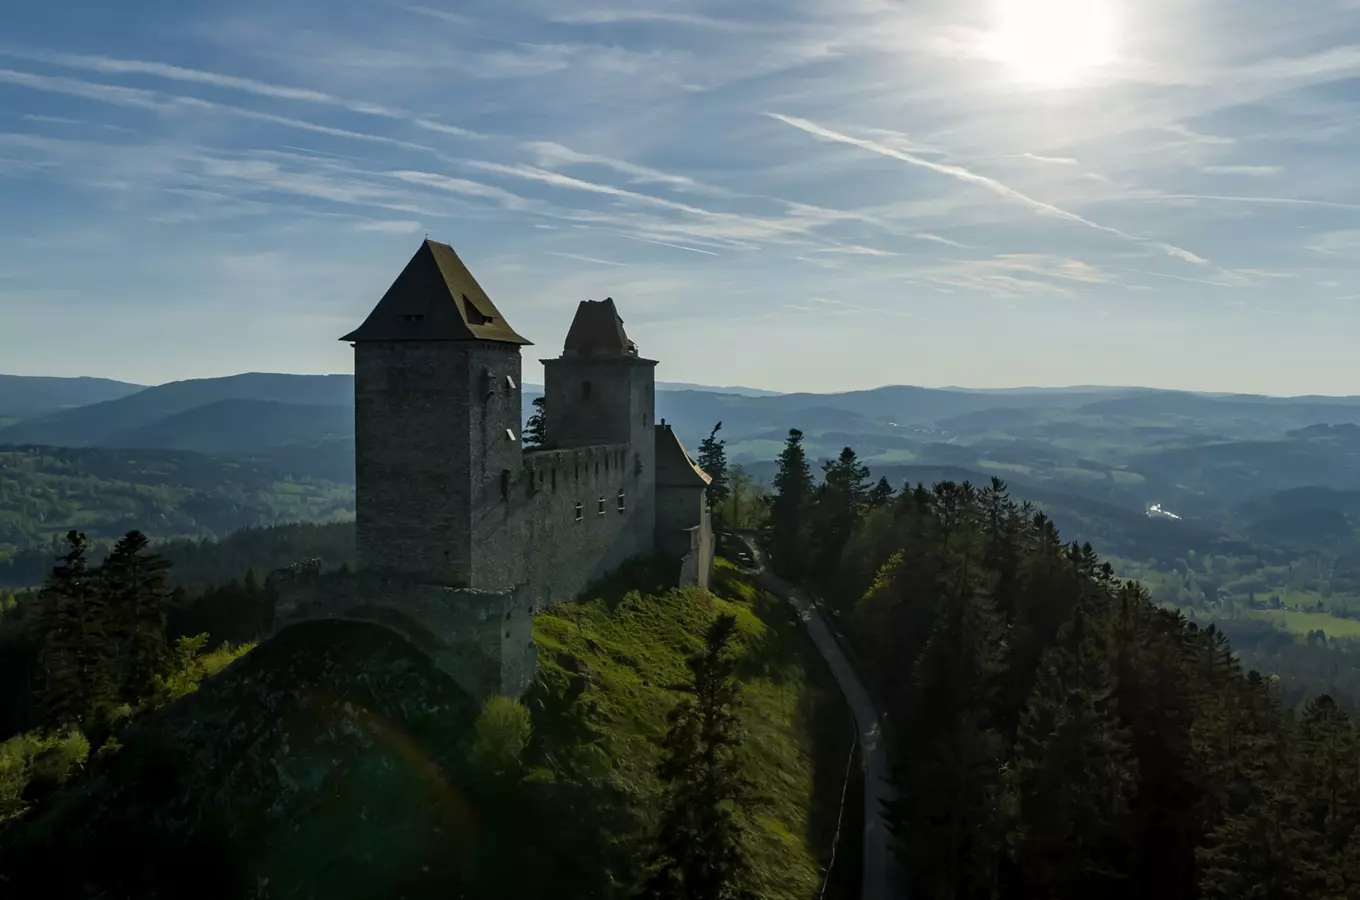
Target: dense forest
(1055, 733)
(677, 744)
(47, 491)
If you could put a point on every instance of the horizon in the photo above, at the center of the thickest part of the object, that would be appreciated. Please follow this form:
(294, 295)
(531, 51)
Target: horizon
(719, 388)
(817, 196)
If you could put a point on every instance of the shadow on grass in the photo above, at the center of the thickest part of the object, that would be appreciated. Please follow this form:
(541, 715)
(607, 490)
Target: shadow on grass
(837, 777)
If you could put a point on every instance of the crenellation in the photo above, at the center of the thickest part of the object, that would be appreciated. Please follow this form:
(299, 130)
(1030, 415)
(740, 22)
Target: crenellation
(463, 534)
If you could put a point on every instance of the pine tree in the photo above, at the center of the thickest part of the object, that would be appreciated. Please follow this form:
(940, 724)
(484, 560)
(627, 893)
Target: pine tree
(948, 812)
(134, 583)
(536, 429)
(76, 651)
(698, 854)
(1072, 773)
(713, 460)
(840, 504)
(881, 494)
(789, 510)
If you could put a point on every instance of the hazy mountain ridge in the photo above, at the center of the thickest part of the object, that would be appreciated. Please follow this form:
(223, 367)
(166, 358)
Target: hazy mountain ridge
(26, 396)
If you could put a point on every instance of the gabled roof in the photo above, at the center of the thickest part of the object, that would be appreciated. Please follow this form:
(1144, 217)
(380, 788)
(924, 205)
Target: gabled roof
(597, 330)
(674, 467)
(435, 298)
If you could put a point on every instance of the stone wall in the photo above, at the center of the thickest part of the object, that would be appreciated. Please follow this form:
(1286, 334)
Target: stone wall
(562, 555)
(483, 640)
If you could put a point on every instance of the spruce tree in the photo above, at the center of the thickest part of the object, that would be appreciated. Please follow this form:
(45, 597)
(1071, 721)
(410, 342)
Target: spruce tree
(840, 504)
(76, 650)
(1072, 774)
(789, 509)
(948, 811)
(713, 460)
(881, 494)
(134, 583)
(536, 429)
(698, 853)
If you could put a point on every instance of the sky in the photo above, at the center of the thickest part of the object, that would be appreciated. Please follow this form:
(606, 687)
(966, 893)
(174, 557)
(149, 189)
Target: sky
(816, 195)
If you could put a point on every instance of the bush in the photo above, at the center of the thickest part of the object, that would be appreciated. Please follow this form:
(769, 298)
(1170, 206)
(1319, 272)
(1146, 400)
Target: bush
(33, 765)
(502, 733)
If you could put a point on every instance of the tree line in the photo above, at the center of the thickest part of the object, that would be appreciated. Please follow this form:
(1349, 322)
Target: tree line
(1053, 732)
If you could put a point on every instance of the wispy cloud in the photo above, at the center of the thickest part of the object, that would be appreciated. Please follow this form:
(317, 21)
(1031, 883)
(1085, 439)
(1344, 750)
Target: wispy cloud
(633, 237)
(110, 66)
(937, 239)
(1253, 171)
(1054, 160)
(635, 16)
(395, 226)
(961, 174)
(551, 154)
(589, 259)
(856, 250)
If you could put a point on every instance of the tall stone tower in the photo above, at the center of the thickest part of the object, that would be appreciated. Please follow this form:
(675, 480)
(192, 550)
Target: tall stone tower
(437, 420)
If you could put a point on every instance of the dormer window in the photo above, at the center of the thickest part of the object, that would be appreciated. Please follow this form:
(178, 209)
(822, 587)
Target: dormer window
(474, 315)
(413, 318)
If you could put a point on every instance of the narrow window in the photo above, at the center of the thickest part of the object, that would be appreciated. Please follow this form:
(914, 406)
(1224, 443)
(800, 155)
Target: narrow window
(580, 510)
(601, 506)
(585, 390)
(621, 504)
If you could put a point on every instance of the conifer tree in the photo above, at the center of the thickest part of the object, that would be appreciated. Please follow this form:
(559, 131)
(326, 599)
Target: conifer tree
(536, 429)
(698, 854)
(76, 652)
(841, 501)
(713, 460)
(789, 509)
(949, 809)
(881, 494)
(134, 585)
(1072, 774)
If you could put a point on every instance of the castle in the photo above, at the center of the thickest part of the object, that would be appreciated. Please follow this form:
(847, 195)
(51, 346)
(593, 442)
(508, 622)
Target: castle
(463, 533)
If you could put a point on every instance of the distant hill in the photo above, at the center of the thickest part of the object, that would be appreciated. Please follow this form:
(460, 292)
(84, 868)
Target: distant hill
(241, 426)
(100, 423)
(26, 396)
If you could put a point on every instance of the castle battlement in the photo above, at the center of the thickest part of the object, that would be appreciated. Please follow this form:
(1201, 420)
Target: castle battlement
(462, 532)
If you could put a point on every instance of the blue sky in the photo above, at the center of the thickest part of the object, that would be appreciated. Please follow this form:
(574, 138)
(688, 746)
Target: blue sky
(800, 195)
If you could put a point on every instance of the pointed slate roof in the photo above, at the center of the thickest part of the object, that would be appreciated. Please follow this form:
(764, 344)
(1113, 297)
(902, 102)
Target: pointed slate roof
(674, 467)
(597, 330)
(435, 298)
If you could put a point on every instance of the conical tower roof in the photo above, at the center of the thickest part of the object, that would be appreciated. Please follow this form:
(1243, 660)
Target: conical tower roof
(435, 298)
(597, 330)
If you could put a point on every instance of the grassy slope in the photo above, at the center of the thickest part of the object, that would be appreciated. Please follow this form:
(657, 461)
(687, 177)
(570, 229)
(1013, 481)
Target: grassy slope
(798, 731)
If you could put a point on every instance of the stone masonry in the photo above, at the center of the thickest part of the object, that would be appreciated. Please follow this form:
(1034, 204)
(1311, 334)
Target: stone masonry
(462, 532)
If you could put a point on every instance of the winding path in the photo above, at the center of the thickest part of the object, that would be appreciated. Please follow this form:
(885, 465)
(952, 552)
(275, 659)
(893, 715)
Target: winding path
(881, 879)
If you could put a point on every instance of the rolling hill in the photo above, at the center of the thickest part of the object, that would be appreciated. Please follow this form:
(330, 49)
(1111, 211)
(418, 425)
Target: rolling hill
(99, 423)
(26, 396)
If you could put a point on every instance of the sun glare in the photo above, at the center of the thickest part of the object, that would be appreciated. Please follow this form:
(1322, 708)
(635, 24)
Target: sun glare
(1052, 43)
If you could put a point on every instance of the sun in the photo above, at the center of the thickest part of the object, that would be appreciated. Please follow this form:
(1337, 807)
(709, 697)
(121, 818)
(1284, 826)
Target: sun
(1052, 43)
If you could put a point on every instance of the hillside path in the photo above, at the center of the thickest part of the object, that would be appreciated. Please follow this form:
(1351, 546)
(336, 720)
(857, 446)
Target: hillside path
(881, 879)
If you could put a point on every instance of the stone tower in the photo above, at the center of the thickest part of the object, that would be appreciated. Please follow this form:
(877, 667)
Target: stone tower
(462, 534)
(599, 391)
(437, 420)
